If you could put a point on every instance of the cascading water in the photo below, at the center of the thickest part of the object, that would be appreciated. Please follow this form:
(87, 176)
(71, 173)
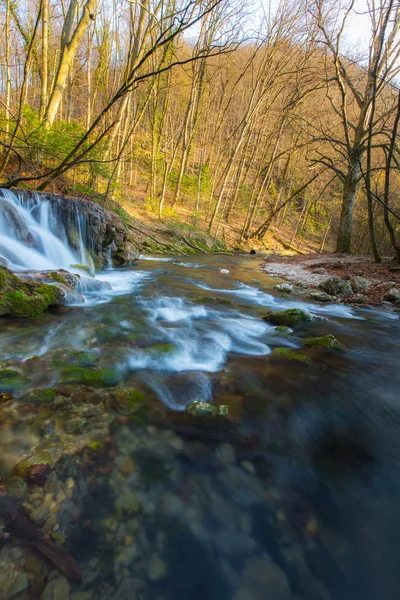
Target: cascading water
(33, 237)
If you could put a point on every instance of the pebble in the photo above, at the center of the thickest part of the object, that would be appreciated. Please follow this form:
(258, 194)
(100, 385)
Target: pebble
(225, 453)
(225, 271)
(57, 589)
(262, 579)
(156, 569)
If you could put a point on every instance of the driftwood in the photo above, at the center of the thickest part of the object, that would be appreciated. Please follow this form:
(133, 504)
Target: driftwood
(19, 524)
(156, 240)
(286, 245)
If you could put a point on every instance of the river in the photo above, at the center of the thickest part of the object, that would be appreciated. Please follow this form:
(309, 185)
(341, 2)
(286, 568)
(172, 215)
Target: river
(293, 495)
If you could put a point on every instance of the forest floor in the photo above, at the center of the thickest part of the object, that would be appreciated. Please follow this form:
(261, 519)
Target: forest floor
(313, 269)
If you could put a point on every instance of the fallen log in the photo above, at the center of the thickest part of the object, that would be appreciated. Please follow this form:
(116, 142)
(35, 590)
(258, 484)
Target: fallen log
(18, 524)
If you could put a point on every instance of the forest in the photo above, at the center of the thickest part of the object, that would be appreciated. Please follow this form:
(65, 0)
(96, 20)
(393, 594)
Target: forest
(256, 125)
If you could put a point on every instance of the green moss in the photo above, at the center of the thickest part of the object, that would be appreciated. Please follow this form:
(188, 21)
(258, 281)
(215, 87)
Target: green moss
(288, 318)
(11, 380)
(40, 458)
(211, 300)
(201, 409)
(25, 298)
(282, 329)
(74, 357)
(96, 445)
(129, 402)
(288, 353)
(40, 396)
(82, 268)
(328, 341)
(91, 377)
(163, 348)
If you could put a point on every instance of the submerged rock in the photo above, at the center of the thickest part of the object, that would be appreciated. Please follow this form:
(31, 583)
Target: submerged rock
(336, 287)
(288, 318)
(11, 380)
(290, 354)
(328, 341)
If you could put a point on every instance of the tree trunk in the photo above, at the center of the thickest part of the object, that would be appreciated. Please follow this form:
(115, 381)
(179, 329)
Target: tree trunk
(45, 56)
(350, 187)
(69, 49)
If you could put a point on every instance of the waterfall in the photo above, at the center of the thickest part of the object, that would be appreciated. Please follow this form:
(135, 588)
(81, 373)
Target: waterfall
(33, 237)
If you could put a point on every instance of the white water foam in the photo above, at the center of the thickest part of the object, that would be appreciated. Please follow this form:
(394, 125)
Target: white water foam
(260, 298)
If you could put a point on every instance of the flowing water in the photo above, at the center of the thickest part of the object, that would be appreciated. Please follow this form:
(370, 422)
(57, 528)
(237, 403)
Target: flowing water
(293, 495)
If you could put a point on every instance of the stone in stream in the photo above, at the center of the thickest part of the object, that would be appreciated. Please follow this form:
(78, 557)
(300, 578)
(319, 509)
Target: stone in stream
(289, 354)
(336, 287)
(26, 298)
(288, 318)
(284, 287)
(328, 341)
(205, 409)
(321, 297)
(225, 271)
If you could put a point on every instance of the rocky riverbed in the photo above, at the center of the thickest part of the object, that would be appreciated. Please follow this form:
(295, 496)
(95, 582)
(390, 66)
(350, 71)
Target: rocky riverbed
(196, 433)
(349, 279)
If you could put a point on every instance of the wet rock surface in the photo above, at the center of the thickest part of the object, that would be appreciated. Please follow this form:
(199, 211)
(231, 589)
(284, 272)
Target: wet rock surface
(254, 482)
(108, 234)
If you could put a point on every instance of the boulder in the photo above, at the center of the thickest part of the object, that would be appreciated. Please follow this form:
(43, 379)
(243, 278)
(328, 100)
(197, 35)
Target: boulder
(108, 234)
(335, 286)
(319, 271)
(284, 287)
(359, 283)
(328, 341)
(26, 298)
(288, 318)
(320, 297)
(393, 295)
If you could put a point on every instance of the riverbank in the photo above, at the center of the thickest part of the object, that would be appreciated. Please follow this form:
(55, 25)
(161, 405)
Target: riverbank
(381, 285)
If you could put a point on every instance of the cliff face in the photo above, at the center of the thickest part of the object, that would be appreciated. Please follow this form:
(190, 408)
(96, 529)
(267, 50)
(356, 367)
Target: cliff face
(102, 231)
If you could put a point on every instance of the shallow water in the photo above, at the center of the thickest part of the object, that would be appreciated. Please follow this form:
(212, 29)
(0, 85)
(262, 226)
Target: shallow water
(294, 495)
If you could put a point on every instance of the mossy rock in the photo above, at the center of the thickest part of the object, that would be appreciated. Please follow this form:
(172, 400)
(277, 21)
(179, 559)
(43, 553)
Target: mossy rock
(163, 348)
(40, 458)
(90, 377)
(84, 268)
(40, 396)
(128, 401)
(328, 341)
(288, 318)
(320, 297)
(74, 357)
(20, 298)
(282, 329)
(205, 409)
(211, 300)
(127, 504)
(11, 380)
(290, 354)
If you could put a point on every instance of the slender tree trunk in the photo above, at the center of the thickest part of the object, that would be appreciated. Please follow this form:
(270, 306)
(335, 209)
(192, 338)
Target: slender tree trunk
(45, 56)
(8, 69)
(350, 187)
(70, 44)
